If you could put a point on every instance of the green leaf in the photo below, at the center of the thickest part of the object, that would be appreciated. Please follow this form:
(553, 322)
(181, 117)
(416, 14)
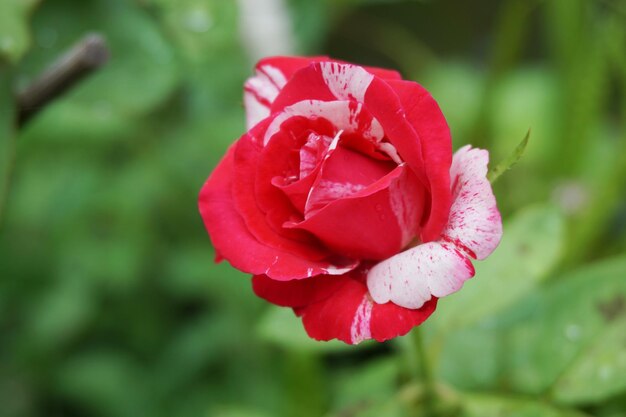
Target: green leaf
(367, 384)
(14, 33)
(7, 136)
(494, 406)
(531, 245)
(510, 161)
(598, 373)
(106, 383)
(546, 336)
(280, 326)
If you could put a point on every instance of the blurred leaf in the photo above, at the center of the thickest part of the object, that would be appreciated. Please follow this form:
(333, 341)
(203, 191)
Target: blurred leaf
(60, 313)
(492, 406)
(235, 411)
(106, 383)
(281, 326)
(14, 31)
(371, 383)
(458, 89)
(201, 28)
(531, 345)
(7, 135)
(531, 246)
(141, 73)
(510, 161)
(599, 372)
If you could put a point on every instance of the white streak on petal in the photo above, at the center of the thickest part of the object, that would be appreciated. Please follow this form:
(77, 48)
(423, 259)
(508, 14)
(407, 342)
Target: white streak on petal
(334, 270)
(407, 213)
(475, 224)
(412, 277)
(274, 74)
(338, 113)
(360, 329)
(259, 90)
(346, 81)
(255, 111)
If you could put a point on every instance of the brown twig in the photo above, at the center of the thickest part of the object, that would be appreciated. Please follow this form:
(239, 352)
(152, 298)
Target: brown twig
(82, 59)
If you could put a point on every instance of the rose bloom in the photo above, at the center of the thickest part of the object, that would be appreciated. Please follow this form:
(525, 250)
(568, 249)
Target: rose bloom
(344, 201)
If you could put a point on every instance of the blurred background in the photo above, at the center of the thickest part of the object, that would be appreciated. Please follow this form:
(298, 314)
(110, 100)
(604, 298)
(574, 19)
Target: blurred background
(111, 306)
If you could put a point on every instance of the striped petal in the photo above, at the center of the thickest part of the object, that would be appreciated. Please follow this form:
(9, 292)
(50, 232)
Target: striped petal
(414, 276)
(475, 224)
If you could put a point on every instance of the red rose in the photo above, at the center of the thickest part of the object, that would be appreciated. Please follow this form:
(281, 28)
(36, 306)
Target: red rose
(344, 201)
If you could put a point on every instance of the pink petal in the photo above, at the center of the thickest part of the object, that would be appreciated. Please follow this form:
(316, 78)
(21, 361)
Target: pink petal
(424, 114)
(233, 241)
(246, 163)
(371, 222)
(344, 173)
(271, 75)
(475, 224)
(297, 293)
(343, 115)
(412, 277)
(350, 315)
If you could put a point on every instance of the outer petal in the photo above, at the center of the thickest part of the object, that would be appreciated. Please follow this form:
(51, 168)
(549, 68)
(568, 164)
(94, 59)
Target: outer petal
(297, 293)
(475, 224)
(412, 277)
(271, 75)
(234, 242)
(424, 114)
(350, 315)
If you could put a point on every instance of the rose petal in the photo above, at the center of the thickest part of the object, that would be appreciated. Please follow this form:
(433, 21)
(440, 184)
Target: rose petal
(369, 224)
(271, 75)
(346, 116)
(475, 224)
(409, 279)
(344, 173)
(350, 315)
(234, 242)
(424, 114)
(297, 293)
(246, 162)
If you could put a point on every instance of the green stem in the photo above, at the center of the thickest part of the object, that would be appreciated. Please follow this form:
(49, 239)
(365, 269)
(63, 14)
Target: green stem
(424, 375)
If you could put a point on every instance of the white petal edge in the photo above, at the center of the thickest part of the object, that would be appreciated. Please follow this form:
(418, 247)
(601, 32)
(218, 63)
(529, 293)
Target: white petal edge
(262, 87)
(409, 279)
(346, 81)
(475, 224)
(440, 268)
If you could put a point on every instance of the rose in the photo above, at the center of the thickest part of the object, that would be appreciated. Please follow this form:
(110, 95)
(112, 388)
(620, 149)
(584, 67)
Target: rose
(344, 201)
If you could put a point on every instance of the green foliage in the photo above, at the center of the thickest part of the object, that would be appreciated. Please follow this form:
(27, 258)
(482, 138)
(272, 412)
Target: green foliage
(7, 136)
(14, 32)
(545, 339)
(510, 161)
(111, 306)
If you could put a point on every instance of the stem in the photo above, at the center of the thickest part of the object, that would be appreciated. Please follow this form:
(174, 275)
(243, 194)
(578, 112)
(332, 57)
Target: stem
(425, 374)
(86, 56)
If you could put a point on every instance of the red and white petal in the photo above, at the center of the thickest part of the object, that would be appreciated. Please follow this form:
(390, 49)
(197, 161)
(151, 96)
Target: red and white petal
(424, 114)
(411, 278)
(475, 224)
(370, 221)
(350, 315)
(271, 75)
(235, 243)
(347, 116)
